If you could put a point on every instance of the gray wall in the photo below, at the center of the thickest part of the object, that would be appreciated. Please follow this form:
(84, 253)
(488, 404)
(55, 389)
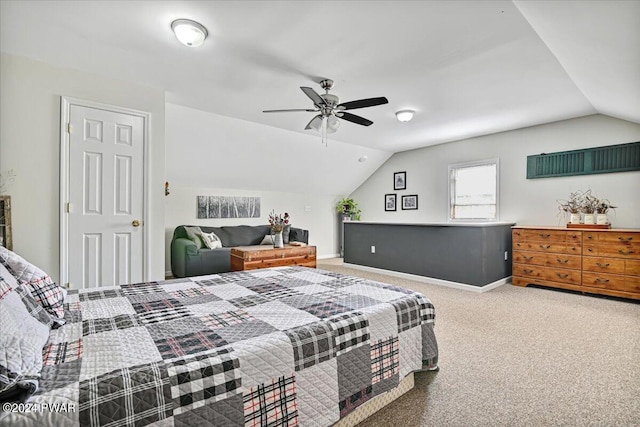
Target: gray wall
(467, 254)
(527, 202)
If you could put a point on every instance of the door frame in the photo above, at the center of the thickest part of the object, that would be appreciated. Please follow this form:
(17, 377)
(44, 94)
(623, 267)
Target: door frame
(65, 108)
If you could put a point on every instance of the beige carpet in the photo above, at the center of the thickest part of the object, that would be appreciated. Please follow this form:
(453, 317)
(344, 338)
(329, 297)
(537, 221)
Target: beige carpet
(522, 357)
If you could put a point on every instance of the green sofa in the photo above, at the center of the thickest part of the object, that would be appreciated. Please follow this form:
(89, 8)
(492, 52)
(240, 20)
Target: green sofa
(189, 258)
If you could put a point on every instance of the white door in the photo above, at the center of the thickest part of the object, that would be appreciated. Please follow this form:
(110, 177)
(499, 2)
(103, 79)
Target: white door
(105, 211)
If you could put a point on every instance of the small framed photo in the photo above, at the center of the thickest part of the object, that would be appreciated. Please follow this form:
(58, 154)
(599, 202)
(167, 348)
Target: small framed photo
(390, 202)
(410, 202)
(400, 181)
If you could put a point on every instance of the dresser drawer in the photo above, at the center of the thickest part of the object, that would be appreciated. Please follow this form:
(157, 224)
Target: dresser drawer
(547, 259)
(561, 275)
(558, 248)
(618, 237)
(547, 236)
(619, 250)
(632, 267)
(604, 281)
(632, 283)
(603, 265)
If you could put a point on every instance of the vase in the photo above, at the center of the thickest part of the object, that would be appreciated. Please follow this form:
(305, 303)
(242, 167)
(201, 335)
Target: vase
(589, 219)
(575, 218)
(602, 218)
(278, 241)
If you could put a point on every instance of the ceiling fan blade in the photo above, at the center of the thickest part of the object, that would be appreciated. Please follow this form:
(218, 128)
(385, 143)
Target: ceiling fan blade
(355, 119)
(362, 103)
(286, 111)
(318, 101)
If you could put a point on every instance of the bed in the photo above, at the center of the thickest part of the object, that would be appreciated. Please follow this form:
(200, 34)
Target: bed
(275, 347)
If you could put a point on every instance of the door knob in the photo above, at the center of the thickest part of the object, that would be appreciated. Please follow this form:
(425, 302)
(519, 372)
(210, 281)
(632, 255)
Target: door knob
(135, 223)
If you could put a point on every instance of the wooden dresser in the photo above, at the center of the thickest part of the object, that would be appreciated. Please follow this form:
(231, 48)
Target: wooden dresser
(594, 261)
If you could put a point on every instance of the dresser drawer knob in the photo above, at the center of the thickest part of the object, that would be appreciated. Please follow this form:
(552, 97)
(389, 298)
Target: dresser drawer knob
(625, 239)
(527, 258)
(590, 237)
(545, 246)
(545, 236)
(601, 265)
(625, 252)
(517, 233)
(527, 271)
(599, 280)
(562, 276)
(590, 249)
(562, 261)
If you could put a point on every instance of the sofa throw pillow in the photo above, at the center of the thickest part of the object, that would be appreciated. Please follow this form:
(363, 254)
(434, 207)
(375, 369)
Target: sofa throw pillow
(268, 240)
(43, 289)
(210, 240)
(286, 231)
(21, 344)
(194, 233)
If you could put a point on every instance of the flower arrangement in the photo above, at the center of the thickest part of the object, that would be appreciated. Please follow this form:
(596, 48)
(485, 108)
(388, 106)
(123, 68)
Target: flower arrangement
(278, 221)
(584, 202)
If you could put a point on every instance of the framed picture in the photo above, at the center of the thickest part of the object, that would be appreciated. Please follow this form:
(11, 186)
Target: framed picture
(389, 202)
(400, 181)
(410, 202)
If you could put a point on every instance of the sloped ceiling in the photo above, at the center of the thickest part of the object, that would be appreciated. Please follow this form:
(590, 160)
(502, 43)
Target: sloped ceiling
(468, 68)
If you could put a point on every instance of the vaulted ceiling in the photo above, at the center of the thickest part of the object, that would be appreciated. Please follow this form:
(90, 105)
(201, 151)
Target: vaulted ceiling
(467, 68)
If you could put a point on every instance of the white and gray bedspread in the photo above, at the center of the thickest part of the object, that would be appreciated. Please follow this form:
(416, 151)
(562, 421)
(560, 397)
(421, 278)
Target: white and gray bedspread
(275, 347)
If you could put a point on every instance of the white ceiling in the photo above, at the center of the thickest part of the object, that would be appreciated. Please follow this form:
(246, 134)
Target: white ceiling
(468, 68)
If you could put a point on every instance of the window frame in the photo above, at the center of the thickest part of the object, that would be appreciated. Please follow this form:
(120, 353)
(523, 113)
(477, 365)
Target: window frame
(451, 194)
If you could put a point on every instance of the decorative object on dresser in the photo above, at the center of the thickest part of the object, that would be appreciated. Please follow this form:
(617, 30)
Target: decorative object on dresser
(593, 209)
(254, 257)
(597, 261)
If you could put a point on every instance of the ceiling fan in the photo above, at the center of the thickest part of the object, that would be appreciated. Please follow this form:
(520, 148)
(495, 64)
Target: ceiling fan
(329, 108)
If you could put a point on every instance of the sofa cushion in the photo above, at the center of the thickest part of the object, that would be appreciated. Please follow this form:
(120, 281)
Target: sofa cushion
(193, 234)
(240, 235)
(211, 240)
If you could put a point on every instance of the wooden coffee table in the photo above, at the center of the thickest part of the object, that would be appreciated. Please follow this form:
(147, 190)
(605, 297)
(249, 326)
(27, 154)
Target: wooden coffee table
(264, 256)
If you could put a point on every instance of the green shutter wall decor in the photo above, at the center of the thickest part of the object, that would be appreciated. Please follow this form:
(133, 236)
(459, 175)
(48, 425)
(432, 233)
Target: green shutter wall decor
(588, 161)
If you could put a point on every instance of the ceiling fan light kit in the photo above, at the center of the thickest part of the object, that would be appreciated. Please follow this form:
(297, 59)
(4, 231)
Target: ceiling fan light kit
(329, 109)
(405, 115)
(189, 33)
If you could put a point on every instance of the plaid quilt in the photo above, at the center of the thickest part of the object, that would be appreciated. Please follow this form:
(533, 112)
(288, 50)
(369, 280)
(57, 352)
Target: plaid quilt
(285, 346)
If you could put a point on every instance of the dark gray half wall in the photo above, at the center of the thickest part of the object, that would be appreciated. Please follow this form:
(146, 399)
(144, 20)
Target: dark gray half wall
(462, 253)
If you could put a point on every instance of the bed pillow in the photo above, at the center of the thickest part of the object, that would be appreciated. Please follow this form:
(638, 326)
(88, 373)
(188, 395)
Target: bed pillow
(45, 291)
(21, 344)
(210, 240)
(194, 233)
(268, 240)
(8, 277)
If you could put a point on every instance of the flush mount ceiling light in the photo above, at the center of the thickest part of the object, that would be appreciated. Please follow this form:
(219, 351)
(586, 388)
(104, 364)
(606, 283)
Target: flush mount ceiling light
(189, 33)
(405, 115)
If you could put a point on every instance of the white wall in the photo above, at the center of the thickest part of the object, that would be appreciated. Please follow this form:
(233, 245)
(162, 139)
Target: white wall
(210, 154)
(528, 202)
(30, 145)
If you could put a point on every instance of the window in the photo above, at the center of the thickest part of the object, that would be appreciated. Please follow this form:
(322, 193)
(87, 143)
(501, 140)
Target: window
(474, 190)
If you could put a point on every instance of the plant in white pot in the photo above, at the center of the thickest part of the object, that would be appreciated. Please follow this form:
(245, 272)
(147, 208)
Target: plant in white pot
(572, 206)
(602, 208)
(348, 206)
(589, 203)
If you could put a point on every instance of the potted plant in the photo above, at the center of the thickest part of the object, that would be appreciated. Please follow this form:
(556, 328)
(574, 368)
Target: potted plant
(602, 207)
(589, 203)
(572, 206)
(348, 206)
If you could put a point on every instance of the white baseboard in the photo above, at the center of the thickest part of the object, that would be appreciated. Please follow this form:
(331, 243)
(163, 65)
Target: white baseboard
(327, 256)
(433, 280)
